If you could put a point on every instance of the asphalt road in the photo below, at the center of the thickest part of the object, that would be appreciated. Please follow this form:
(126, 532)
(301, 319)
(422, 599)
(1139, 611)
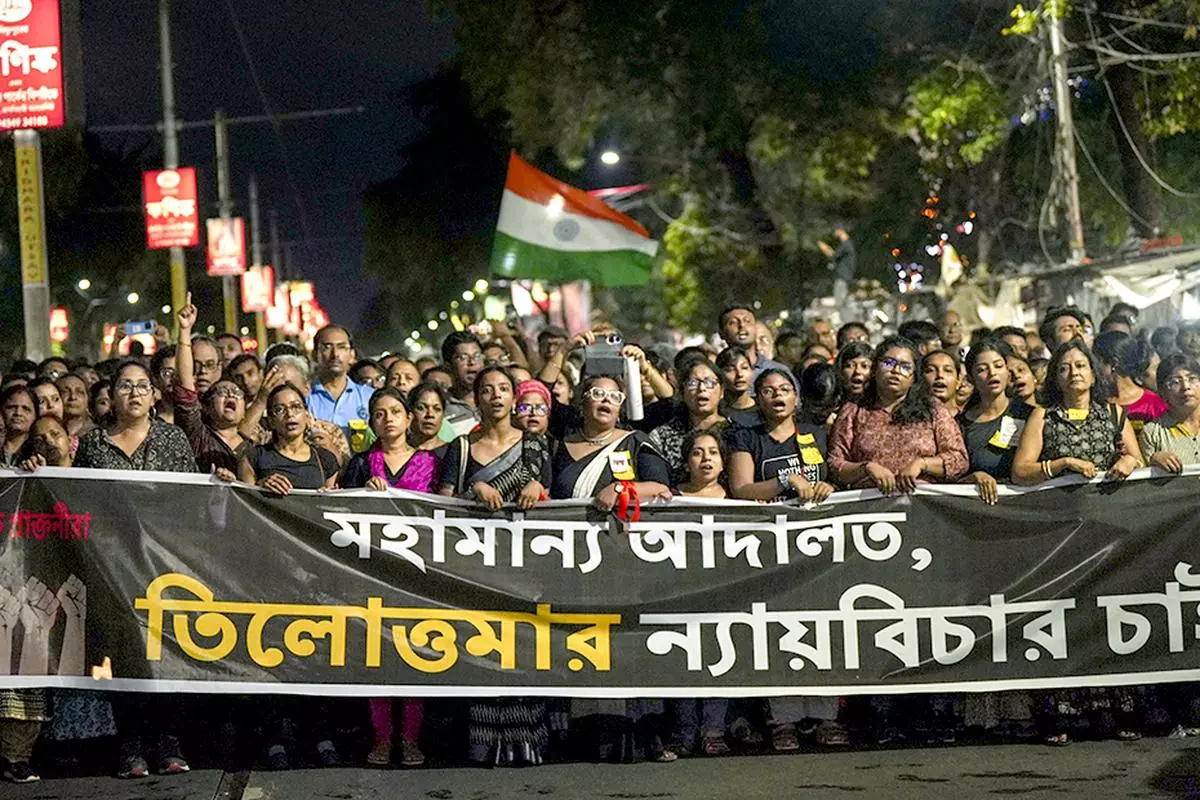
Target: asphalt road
(1156, 768)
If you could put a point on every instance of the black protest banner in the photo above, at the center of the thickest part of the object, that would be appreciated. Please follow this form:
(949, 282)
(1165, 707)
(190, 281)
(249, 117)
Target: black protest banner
(188, 585)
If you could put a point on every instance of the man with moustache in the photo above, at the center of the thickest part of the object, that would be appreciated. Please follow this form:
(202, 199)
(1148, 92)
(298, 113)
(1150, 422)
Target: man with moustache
(334, 397)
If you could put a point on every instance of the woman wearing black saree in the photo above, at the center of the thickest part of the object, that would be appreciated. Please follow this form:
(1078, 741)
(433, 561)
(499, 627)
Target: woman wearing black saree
(495, 464)
(603, 461)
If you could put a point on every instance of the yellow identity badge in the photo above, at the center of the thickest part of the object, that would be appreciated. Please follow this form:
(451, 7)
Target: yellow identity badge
(621, 464)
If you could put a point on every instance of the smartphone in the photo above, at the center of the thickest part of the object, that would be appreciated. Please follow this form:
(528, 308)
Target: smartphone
(137, 328)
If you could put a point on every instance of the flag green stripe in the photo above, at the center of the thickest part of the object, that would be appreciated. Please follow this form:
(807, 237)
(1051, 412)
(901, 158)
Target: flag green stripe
(514, 258)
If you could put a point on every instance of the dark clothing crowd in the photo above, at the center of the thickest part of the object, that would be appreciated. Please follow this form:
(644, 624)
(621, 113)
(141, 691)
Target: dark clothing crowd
(776, 415)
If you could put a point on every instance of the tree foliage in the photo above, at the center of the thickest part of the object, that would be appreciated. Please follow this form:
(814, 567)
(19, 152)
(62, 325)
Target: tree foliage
(758, 129)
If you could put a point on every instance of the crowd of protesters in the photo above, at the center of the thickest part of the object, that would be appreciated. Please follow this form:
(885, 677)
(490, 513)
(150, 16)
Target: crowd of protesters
(507, 421)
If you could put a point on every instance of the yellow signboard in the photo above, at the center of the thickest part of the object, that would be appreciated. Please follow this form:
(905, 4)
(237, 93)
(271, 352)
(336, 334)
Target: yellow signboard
(30, 210)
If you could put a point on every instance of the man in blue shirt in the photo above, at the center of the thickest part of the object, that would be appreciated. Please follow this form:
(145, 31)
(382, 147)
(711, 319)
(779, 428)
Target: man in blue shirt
(334, 396)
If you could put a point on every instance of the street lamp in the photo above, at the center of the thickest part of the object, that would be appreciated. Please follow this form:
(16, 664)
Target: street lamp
(132, 298)
(166, 309)
(610, 158)
(468, 295)
(481, 286)
(432, 325)
(84, 284)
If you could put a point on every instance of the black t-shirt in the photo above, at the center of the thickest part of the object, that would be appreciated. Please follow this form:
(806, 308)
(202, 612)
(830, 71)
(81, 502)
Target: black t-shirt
(660, 412)
(743, 417)
(989, 449)
(794, 456)
(311, 474)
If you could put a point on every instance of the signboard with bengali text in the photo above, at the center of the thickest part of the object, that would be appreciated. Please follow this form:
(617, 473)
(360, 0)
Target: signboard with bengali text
(169, 199)
(391, 593)
(31, 71)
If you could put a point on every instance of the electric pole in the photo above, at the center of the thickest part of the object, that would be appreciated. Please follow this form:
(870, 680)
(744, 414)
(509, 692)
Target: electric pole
(170, 143)
(256, 252)
(273, 217)
(225, 209)
(1068, 169)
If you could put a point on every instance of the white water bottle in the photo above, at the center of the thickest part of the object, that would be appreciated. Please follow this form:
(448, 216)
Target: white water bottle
(633, 390)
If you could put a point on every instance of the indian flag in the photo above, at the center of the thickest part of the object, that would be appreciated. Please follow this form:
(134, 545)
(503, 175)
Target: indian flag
(554, 232)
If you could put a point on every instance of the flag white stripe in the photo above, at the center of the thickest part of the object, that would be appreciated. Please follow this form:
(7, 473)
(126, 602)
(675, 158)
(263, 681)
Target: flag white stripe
(534, 223)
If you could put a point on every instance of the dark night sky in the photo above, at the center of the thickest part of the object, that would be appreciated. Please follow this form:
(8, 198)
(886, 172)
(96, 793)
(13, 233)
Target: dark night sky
(309, 55)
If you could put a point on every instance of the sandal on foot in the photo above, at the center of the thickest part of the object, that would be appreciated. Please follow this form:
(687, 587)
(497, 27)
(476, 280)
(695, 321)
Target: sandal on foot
(380, 755)
(784, 739)
(831, 734)
(714, 745)
(744, 733)
(411, 755)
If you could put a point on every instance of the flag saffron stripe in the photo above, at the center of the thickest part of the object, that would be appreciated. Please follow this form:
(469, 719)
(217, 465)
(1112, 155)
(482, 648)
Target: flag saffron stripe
(540, 188)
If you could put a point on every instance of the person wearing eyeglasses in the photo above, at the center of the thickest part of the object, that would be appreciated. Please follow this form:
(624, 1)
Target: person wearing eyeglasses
(335, 397)
(782, 459)
(132, 439)
(601, 457)
(211, 422)
(1172, 441)
(703, 389)
(897, 435)
(368, 372)
(532, 411)
(463, 357)
(778, 459)
(162, 374)
(206, 358)
(257, 426)
(288, 461)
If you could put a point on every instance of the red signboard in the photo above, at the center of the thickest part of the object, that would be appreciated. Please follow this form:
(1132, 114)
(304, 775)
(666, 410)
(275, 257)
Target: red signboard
(226, 246)
(169, 200)
(31, 73)
(258, 289)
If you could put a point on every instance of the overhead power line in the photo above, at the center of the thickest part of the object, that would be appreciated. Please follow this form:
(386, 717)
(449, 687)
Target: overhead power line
(1087, 155)
(262, 97)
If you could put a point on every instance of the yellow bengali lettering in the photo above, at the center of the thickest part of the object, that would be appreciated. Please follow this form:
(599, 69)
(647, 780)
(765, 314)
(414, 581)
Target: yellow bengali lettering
(426, 639)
